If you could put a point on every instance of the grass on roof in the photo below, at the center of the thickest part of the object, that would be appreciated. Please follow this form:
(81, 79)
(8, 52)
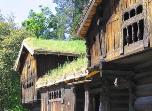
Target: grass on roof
(72, 46)
(67, 69)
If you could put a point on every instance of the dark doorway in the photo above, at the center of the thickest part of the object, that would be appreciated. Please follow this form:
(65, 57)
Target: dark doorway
(97, 102)
(80, 98)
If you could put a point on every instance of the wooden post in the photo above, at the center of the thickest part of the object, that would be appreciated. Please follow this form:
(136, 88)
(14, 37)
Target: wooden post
(86, 108)
(101, 107)
(131, 96)
(105, 97)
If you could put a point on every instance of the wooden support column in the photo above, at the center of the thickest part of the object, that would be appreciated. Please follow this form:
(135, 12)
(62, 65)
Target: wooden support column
(131, 95)
(101, 107)
(86, 108)
(105, 96)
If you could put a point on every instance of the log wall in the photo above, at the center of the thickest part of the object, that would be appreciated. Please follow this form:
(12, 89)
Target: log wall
(143, 90)
(119, 100)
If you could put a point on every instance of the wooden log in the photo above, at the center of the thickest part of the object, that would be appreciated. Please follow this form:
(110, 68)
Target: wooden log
(144, 80)
(118, 72)
(119, 101)
(119, 109)
(143, 104)
(144, 90)
(119, 94)
(121, 105)
(143, 75)
(142, 66)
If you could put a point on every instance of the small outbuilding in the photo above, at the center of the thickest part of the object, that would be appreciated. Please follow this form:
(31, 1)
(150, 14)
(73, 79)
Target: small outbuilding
(63, 88)
(39, 56)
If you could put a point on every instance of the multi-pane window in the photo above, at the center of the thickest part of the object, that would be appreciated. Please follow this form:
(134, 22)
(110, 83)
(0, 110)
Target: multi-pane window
(133, 25)
(53, 95)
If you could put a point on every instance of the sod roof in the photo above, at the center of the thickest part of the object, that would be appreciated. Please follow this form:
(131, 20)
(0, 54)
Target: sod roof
(59, 46)
(68, 71)
(56, 47)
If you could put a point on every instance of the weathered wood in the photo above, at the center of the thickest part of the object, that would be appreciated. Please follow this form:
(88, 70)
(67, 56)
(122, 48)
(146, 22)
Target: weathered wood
(131, 95)
(28, 79)
(113, 44)
(144, 90)
(117, 72)
(86, 99)
(143, 103)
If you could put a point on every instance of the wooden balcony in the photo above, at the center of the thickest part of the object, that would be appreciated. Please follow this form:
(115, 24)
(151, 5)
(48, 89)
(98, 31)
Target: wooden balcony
(126, 32)
(132, 36)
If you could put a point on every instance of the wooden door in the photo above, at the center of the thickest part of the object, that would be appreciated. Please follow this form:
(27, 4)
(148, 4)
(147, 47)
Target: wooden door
(56, 106)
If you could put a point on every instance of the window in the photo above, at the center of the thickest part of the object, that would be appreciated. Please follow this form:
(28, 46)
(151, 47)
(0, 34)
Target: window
(133, 12)
(53, 95)
(27, 84)
(133, 25)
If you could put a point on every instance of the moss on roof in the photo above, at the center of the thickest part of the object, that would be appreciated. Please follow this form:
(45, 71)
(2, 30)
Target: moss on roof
(74, 69)
(71, 46)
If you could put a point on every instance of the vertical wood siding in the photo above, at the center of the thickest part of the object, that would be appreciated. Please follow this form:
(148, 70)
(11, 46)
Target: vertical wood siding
(28, 79)
(149, 17)
(44, 101)
(106, 38)
(65, 101)
(47, 62)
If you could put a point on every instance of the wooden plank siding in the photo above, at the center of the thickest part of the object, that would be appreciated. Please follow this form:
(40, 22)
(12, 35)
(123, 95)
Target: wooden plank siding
(44, 101)
(35, 67)
(28, 80)
(48, 62)
(114, 34)
(119, 28)
(59, 98)
(149, 18)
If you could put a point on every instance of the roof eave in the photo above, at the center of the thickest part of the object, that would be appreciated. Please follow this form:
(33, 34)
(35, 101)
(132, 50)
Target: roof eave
(87, 19)
(76, 77)
(31, 51)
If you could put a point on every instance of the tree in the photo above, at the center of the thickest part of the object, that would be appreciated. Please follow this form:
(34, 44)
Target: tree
(11, 38)
(42, 24)
(71, 10)
(46, 25)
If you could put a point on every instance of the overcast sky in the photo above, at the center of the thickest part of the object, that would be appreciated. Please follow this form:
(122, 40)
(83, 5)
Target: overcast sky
(21, 8)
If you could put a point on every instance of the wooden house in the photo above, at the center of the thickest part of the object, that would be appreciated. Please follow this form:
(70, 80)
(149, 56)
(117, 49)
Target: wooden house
(63, 88)
(36, 58)
(118, 36)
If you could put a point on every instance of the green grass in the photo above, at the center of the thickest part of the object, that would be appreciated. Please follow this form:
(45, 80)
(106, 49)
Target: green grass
(74, 47)
(66, 70)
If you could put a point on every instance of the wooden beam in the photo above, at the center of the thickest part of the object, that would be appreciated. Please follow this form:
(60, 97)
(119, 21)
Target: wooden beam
(116, 73)
(92, 74)
(79, 82)
(143, 104)
(86, 108)
(115, 66)
(142, 66)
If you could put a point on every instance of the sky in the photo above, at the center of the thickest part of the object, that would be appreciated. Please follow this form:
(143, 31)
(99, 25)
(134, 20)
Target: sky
(20, 8)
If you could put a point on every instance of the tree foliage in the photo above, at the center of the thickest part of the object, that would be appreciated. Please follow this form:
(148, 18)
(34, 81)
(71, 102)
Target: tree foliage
(46, 25)
(72, 10)
(42, 24)
(10, 41)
